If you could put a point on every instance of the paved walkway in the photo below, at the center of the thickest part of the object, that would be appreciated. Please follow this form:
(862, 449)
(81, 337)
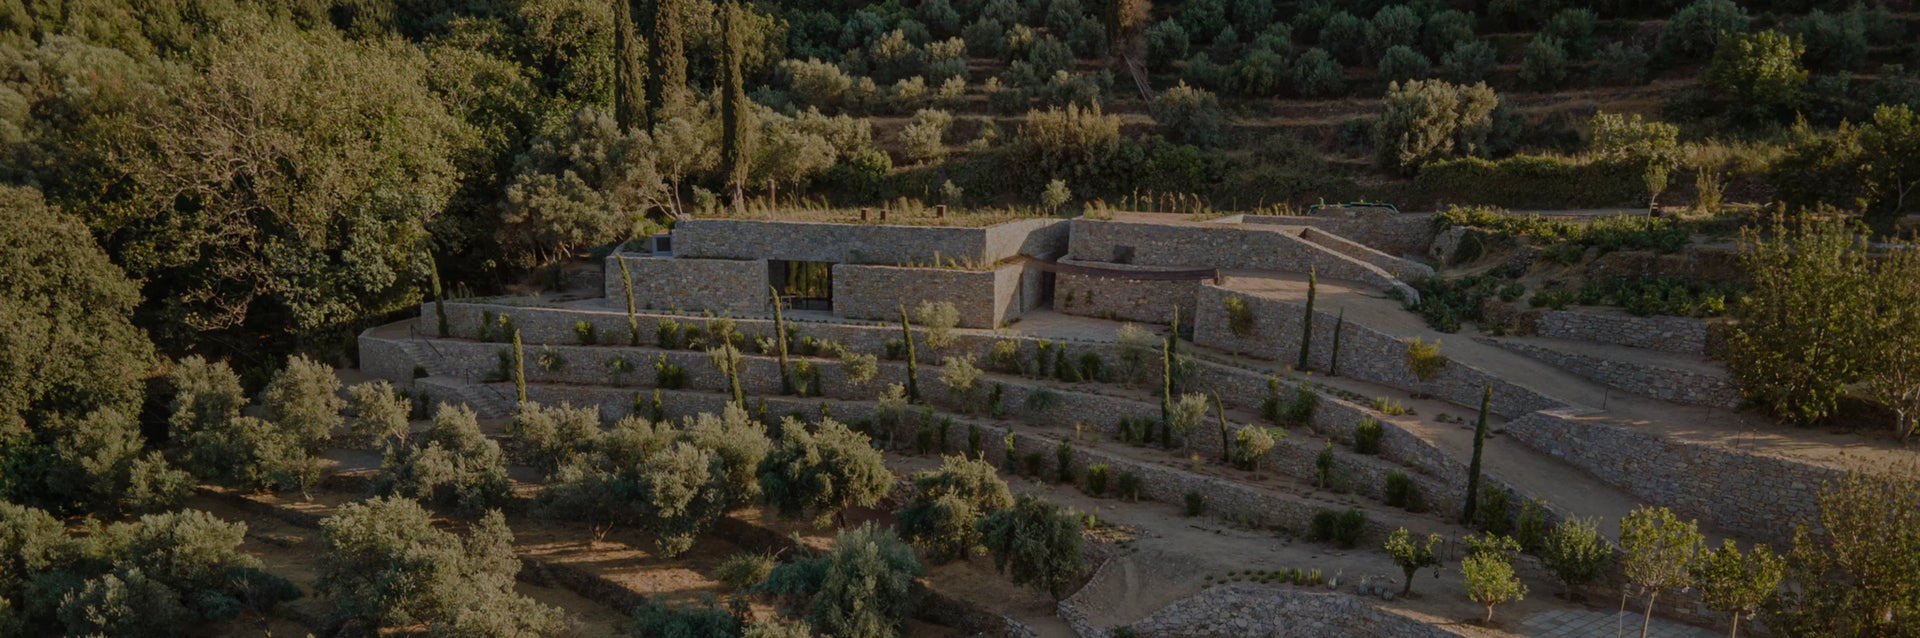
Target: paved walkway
(1580, 623)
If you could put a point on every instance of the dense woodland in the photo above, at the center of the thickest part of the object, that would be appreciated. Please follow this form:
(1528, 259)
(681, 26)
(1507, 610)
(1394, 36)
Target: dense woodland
(201, 195)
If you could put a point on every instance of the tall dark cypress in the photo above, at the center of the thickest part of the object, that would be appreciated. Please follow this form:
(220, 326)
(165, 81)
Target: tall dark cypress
(629, 81)
(736, 117)
(666, 40)
(1473, 469)
(1306, 320)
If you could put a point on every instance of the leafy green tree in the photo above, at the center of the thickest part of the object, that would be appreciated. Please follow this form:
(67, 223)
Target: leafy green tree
(1468, 62)
(384, 564)
(1890, 155)
(1657, 552)
(304, 399)
(71, 347)
(451, 464)
(1411, 557)
(1893, 372)
(218, 443)
(1796, 345)
(1545, 64)
(864, 586)
(1620, 65)
(673, 482)
(156, 576)
(736, 111)
(667, 59)
(1760, 70)
(380, 414)
(1188, 115)
(1080, 146)
(1847, 574)
(1167, 43)
(823, 471)
(1345, 36)
(1394, 25)
(1694, 31)
(629, 74)
(582, 184)
(1834, 41)
(1490, 580)
(1402, 62)
(1446, 31)
(1422, 121)
(1317, 74)
(1576, 553)
(1573, 27)
(684, 620)
(924, 136)
(943, 518)
(1735, 583)
(1037, 543)
(555, 435)
(98, 464)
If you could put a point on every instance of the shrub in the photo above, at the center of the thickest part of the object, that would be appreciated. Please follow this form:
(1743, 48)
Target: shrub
(1069, 143)
(1367, 435)
(668, 376)
(1423, 121)
(702, 620)
(1097, 479)
(1035, 463)
(1167, 43)
(555, 435)
(380, 414)
(1129, 488)
(1468, 62)
(1250, 444)
(1576, 553)
(219, 443)
(1530, 526)
(1834, 41)
(384, 564)
(1189, 115)
(943, 518)
(1259, 73)
(1063, 462)
(1693, 32)
(1400, 491)
(823, 471)
(451, 464)
(744, 570)
(1316, 74)
(1195, 503)
(1573, 27)
(1424, 359)
(1305, 401)
(866, 585)
(1490, 581)
(924, 137)
(1620, 65)
(667, 334)
(1757, 71)
(1091, 367)
(1037, 544)
(1323, 467)
(1340, 528)
(1491, 514)
(585, 332)
(1401, 62)
(1545, 64)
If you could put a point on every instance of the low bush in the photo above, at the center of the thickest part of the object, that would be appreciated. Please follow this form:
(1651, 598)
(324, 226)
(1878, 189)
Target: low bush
(1400, 491)
(1097, 479)
(1367, 434)
(1491, 513)
(1196, 503)
(1063, 462)
(1340, 528)
(1129, 488)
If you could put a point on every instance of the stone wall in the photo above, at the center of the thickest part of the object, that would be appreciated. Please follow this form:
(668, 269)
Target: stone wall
(1679, 335)
(1220, 245)
(854, 243)
(1264, 611)
(719, 285)
(1365, 353)
(1401, 268)
(1399, 234)
(878, 292)
(1121, 299)
(1761, 497)
(1636, 377)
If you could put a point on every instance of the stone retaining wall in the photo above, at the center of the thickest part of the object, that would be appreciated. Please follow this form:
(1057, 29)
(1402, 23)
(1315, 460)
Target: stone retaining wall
(985, 298)
(1401, 234)
(853, 243)
(1120, 299)
(1220, 245)
(1679, 386)
(1401, 268)
(1679, 335)
(1365, 353)
(1757, 496)
(725, 286)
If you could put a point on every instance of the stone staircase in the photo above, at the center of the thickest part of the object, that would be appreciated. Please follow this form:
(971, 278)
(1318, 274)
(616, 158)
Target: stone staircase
(443, 380)
(1667, 376)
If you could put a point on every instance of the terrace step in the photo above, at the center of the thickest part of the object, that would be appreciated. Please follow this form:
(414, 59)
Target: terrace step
(1650, 373)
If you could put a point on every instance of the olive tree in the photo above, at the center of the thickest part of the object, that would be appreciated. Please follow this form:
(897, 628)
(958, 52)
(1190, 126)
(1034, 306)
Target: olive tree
(452, 464)
(303, 398)
(865, 586)
(1037, 544)
(384, 564)
(380, 414)
(943, 518)
(1422, 121)
(221, 444)
(823, 471)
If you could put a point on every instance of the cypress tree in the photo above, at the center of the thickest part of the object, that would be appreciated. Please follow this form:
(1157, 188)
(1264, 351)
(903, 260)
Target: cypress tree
(1339, 326)
(667, 83)
(1473, 470)
(780, 335)
(629, 90)
(633, 321)
(1166, 381)
(1226, 442)
(519, 369)
(439, 300)
(913, 363)
(736, 114)
(1306, 321)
